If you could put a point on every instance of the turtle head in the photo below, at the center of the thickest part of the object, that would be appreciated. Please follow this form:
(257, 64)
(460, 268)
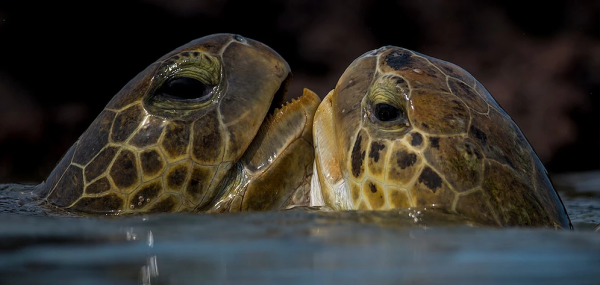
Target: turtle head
(402, 129)
(166, 140)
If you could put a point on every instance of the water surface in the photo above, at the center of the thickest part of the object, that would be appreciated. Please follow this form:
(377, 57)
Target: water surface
(300, 246)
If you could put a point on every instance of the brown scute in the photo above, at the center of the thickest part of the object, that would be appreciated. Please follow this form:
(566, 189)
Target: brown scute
(100, 163)
(69, 188)
(105, 204)
(403, 165)
(417, 139)
(124, 170)
(99, 186)
(430, 179)
(152, 163)
(459, 160)
(126, 122)
(58, 171)
(208, 145)
(374, 195)
(146, 194)
(358, 156)
(513, 198)
(474, 205)
(399, 59)
(176, 176)
(199, 182)
(438, 112)
(94, 138)
(468, 95)
(166, 205)
(149, 133)
(176, 140)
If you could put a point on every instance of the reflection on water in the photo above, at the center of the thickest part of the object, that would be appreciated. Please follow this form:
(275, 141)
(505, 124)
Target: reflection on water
(300, 246)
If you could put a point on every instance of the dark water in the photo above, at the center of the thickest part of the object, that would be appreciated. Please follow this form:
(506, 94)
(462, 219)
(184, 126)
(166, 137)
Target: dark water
(300, 246)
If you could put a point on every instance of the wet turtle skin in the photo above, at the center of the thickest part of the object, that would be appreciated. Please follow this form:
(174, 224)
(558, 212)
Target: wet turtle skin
(402, 129)
(168, 139)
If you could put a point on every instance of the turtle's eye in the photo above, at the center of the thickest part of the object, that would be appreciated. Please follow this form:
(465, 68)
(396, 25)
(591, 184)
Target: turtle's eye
(184, 88)
(386, 112)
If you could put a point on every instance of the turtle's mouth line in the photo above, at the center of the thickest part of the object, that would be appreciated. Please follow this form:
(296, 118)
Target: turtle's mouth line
(280, 94)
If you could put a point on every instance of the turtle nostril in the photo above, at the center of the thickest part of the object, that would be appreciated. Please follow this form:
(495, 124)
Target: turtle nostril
(239, 38)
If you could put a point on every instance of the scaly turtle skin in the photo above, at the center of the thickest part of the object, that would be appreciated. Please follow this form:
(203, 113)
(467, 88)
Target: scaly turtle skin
(181, 136)
(402, 129)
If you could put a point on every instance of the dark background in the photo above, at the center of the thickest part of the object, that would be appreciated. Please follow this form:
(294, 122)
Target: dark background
(61, 62)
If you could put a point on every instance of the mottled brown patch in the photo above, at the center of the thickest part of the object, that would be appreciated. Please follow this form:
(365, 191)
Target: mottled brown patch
(504, 142)
(124, 171)
(109, 203)
(459, 160)
(152, 163)
(126, 122)
(417, 139)
(165, 205)
(358, 155)
(199, 182)
(375, 150)
(430, 179)
(403, 165)
(94, 138)
(176, 176)
(468, 95)
(99, 186)
(69, 188)
(176, 139)
(145, 195)
(100, 163)
(453, 70)
(474, 206)
(513, 198)
(417, 70)
(430, 190)
(405, 159)
(373, 192)
(149, 133)
(440, 112)
(208, 144)
(376, 160)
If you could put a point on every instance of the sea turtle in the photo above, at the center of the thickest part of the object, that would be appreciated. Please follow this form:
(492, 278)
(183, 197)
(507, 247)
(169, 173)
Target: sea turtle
(402, 129)
(201, 129)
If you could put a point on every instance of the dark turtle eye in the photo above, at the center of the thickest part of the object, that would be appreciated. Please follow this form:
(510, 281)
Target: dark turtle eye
(386, 112)
(184, 88)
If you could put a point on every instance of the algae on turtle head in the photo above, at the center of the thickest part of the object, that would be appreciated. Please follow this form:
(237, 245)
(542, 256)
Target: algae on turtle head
(169, 140)
(402, 129)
